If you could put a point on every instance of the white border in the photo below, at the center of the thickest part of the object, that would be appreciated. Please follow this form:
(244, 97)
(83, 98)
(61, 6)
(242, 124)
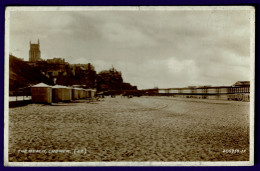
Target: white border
(252, 85)
(128, 8)
(132, 8)
(198, 163)
(6, 88)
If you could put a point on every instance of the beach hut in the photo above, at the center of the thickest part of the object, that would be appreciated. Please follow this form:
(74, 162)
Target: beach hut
(61, 93)
(75, 93)
(78, 92)
(93, 92)
(88, 92)
(41, 93)
(81, 93)
(85, 93)
(69, 89)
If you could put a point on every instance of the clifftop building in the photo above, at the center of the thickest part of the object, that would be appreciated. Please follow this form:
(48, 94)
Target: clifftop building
(34, 52)
(56, 61)
(242, 84)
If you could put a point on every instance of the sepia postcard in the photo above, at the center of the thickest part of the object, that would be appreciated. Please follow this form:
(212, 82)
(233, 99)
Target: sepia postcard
(129, 86)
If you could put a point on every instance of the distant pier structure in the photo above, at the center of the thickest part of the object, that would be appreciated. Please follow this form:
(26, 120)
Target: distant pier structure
(239, 91)
(34, 52)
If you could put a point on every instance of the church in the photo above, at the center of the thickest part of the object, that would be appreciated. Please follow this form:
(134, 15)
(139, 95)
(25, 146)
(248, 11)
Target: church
(34, 52)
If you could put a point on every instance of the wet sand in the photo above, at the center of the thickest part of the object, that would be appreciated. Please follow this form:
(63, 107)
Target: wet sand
(135, 129)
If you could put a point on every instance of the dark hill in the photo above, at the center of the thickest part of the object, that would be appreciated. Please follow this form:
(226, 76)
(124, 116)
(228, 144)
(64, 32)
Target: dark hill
(22, 75)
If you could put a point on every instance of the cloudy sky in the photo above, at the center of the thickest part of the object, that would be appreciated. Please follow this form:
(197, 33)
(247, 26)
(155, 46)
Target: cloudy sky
(151, 48)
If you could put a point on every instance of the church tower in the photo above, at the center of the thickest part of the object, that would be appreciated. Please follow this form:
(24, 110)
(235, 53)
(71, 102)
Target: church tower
(34, 52)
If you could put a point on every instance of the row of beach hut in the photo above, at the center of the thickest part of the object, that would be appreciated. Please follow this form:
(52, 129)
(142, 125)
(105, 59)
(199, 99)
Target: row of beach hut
(43, 93)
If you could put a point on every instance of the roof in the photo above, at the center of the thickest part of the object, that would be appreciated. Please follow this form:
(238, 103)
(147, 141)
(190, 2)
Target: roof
(78, 88)
(59, 86)
(41, 85)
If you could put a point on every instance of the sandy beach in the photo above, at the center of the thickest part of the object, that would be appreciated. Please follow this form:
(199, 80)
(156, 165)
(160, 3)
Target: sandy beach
(134, 129)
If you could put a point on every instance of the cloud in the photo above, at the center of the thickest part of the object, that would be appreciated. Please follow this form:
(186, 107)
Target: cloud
(150, 48)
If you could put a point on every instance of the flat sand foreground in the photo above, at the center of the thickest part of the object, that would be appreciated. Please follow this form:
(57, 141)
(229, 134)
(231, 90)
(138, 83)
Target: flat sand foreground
(135, 129)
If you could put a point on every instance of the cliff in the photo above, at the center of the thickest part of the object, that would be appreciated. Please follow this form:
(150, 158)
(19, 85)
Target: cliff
(22, 75)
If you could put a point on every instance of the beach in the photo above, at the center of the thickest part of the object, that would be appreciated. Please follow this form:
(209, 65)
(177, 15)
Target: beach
(130, 129)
